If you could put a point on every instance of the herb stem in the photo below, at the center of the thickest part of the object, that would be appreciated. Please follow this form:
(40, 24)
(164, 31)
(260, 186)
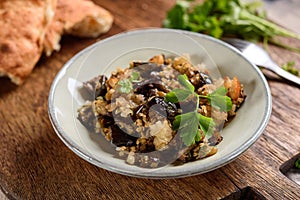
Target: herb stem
(227, 18)
(197, 101)
(258, 21)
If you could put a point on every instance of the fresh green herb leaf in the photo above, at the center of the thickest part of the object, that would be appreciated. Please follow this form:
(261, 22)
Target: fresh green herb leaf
(290, 67)
(198, 137)
(184, 81)
(176, 123)
(178, 16)
(227, 18)
(219, 91)
(177, 95)
(219, 100)
(207, 125)
(182, 120)
(125, 86)
(297, 163)
(187, 125)
(222, 103)
(135, 76)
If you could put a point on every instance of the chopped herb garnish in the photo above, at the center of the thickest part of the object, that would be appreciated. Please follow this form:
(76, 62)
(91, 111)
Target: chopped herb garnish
(126, 84)
(188, 124)
(135, 76)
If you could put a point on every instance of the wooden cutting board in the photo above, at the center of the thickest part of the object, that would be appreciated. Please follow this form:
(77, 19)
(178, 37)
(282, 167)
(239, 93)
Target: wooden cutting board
(35, 164)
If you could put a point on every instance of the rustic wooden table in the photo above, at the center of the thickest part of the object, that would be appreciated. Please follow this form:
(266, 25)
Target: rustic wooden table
(35, 164)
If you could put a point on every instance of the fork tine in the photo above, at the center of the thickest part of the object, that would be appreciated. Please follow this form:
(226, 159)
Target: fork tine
(260, 57)
(239, 44)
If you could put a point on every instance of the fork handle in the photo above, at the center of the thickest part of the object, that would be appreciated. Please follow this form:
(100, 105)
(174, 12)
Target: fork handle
(282, 73)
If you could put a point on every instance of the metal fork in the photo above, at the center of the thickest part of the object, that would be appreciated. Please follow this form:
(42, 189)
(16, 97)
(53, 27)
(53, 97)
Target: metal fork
(260, 57)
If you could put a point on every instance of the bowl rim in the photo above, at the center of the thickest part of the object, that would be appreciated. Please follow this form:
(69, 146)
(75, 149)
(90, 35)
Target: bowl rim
(214, 165)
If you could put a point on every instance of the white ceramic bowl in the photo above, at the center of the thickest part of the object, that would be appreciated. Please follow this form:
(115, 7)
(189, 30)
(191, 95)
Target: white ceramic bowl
(117, 51)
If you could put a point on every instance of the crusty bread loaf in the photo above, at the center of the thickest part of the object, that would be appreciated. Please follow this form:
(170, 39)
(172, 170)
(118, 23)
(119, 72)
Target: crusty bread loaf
(23, 27)
(80, 18)
(29, 27)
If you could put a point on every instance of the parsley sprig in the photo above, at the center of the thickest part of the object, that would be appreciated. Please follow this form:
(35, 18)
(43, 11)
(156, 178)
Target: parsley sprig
(227, 18)
(188, 124)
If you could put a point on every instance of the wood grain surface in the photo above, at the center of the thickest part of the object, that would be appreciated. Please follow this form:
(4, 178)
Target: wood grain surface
(35, 164)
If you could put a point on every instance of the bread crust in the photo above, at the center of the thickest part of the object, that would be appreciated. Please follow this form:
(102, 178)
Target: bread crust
(23, 27)
(31, 27)
(80, 18)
